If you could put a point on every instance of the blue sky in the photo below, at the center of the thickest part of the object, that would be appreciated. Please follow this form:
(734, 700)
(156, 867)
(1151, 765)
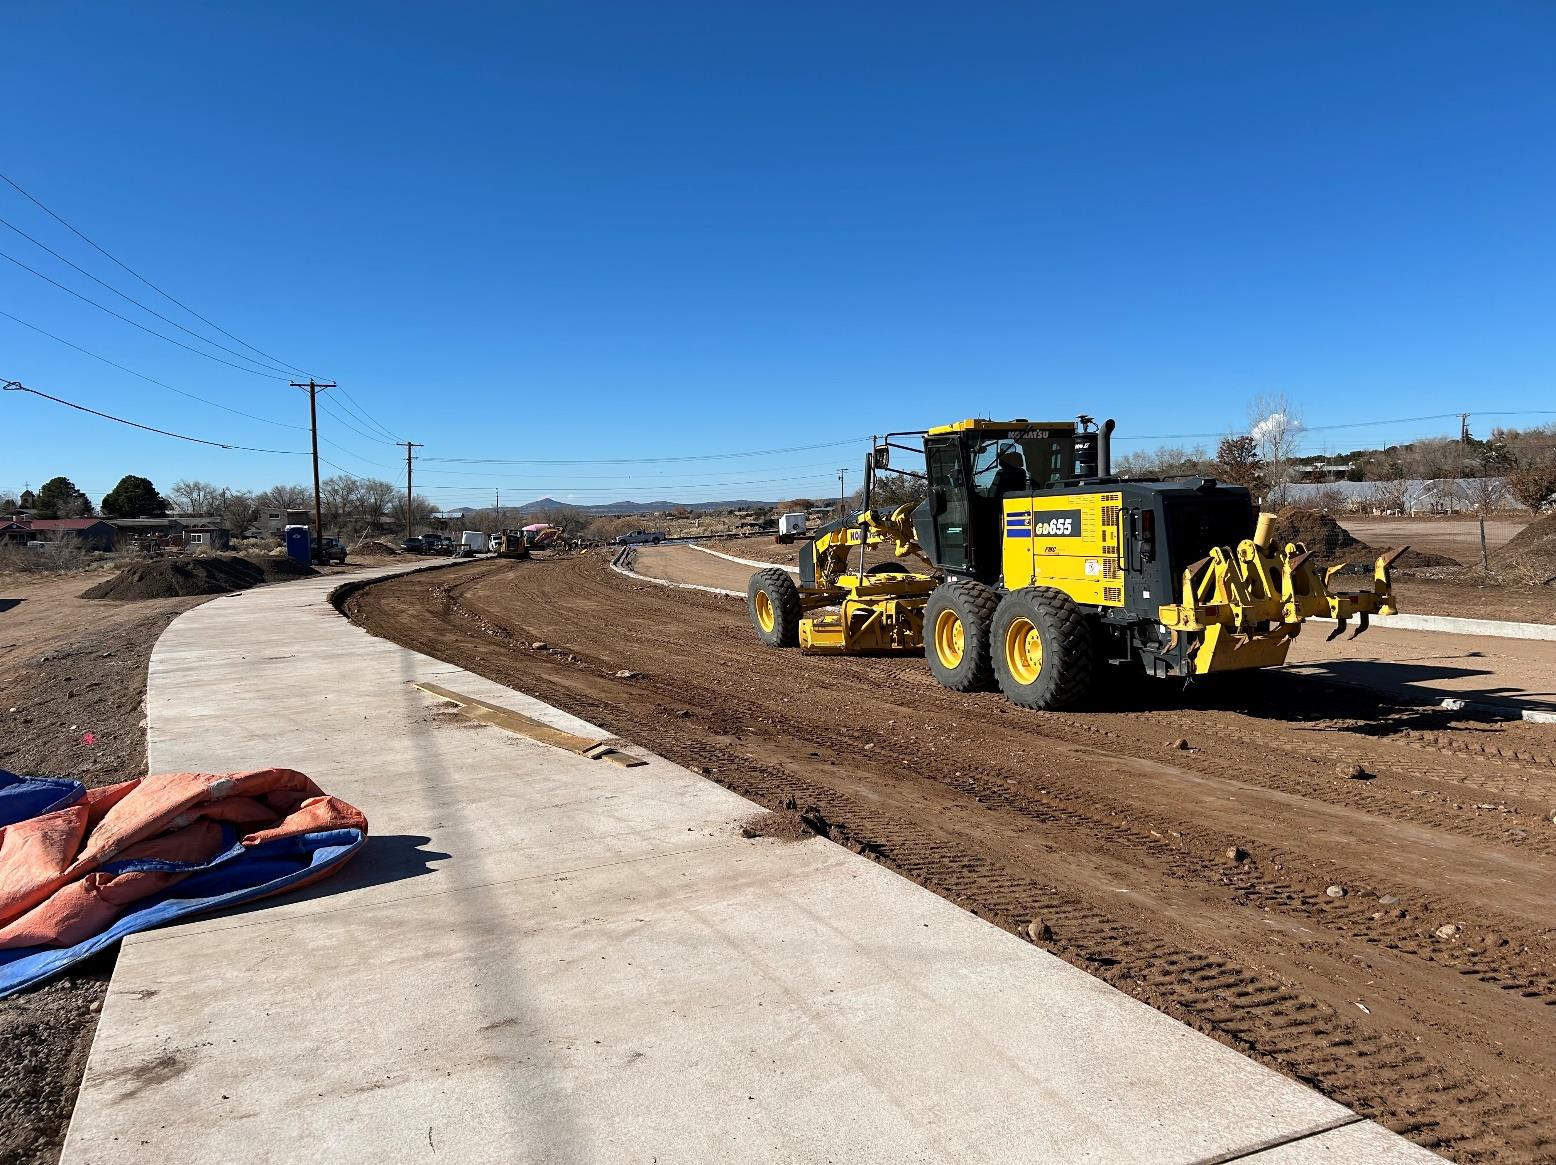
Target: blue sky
(580, 231)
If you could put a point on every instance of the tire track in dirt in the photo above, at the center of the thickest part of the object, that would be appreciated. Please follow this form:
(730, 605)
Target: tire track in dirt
(1079, 820)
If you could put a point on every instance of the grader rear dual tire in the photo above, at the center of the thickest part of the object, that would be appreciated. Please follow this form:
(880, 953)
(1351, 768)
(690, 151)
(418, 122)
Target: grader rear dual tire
(956, 635)
(1044, 649)
(773, 600)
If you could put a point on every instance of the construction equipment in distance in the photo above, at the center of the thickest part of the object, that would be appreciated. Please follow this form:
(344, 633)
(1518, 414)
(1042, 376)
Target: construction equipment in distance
(519, 543)
(1036, 569)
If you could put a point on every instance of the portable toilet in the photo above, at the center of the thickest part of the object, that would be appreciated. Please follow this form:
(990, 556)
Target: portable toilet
(299, 544)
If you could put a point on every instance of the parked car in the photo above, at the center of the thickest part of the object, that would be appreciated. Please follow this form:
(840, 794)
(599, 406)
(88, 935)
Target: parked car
(414, 545)
(638, 537)
(332, 550)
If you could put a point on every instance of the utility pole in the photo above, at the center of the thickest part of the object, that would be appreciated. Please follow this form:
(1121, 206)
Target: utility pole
(497, 499)
(409, 445)
(1464, 428)
(842, 498)
(313, 388)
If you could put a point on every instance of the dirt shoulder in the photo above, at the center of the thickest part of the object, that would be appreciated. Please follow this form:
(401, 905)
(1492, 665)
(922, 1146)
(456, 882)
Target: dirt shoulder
(1195, 876)
(72, 689)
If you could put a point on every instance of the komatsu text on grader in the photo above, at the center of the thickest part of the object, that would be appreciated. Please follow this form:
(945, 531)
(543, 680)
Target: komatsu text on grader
(1036, 569)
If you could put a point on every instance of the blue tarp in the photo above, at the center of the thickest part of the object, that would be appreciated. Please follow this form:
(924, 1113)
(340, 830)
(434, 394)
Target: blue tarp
(238, 874)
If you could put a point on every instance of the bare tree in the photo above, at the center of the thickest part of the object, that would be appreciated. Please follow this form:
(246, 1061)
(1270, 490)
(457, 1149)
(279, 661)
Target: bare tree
(1390, 495)
(1486, 494)
(285, 497)
(1165, 461)
(422, 510)
(197, 497)
(1435, 457)
(1276, 428)
(239, 511)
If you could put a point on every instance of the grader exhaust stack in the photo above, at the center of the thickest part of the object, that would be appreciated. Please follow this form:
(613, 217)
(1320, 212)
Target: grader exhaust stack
(1036, 568)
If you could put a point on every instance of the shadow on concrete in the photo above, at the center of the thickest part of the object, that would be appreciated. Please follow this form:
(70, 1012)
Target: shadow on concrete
(1417, 681)
(383, 858)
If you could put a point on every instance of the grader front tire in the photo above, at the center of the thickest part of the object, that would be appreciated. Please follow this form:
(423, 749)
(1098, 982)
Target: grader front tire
(773, 601)
(956, 635)
(1044, 649)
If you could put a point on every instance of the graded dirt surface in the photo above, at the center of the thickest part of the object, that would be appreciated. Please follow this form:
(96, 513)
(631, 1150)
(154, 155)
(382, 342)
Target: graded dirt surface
(1453, 536)
(1180, 846)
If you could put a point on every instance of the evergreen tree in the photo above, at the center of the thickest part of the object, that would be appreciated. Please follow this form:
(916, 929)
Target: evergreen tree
(134, 497)
(59, 498)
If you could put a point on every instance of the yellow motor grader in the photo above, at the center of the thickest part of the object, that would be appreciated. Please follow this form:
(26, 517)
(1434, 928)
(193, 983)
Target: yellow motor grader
(1035, 569)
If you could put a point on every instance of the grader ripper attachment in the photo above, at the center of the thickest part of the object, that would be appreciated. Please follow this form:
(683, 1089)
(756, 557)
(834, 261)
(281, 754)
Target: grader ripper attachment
(1037, 569)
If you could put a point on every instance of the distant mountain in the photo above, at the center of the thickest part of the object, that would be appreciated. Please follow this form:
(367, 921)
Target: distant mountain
(631, 507)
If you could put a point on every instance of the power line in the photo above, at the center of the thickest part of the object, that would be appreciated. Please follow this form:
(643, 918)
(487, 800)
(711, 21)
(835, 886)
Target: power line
(149, 379)
(643, 460)
(135, 323)
(1349, 425)
(138, 303)
(351, 401)
(814, 477)
(18, 386)
(346, 421)
(124, 266)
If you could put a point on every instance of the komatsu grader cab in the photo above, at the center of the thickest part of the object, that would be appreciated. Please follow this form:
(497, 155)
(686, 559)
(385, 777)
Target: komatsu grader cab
(1030, 567)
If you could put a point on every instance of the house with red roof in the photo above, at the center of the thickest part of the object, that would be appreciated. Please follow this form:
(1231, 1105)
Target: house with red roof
(92, 533)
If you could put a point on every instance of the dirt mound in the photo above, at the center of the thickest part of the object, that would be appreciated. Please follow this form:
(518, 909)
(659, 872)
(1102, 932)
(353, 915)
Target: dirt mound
(374, 546)
(1529, 555)
(166, 578)
(1322, 535)
(1329, 542)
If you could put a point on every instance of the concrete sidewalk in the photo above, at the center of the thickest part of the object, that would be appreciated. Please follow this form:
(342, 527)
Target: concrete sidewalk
(544, 958)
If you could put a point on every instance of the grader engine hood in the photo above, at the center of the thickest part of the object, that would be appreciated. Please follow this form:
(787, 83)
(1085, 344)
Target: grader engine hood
(1242, 606)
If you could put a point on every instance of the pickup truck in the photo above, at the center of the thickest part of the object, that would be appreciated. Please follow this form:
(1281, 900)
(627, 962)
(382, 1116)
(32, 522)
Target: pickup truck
(332, 550)
(638, 537)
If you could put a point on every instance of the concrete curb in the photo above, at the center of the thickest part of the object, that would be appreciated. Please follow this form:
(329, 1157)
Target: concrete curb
(619, 565)
(743, 561)
(1495, 628)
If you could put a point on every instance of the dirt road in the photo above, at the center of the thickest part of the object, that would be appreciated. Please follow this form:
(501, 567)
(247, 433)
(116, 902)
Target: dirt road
(1388, 940)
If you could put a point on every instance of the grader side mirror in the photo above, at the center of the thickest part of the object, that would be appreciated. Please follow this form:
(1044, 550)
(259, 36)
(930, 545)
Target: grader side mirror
(880, 457)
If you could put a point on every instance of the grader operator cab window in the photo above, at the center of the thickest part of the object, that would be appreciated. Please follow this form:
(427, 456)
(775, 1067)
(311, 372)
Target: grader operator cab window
(999, 468)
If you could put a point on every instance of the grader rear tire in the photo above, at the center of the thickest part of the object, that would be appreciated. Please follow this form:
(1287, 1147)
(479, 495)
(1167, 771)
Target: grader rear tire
(956, 635)
(1044, 649)
(773, 600)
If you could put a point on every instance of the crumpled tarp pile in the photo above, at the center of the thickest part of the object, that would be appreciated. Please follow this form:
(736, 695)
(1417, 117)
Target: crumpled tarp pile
(81, 868)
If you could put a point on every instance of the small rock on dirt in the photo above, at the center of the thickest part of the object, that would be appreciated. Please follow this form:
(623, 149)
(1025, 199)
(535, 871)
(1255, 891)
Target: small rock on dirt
(1181, 744)
(1039, 931)
(1387, 900)
(1448, 931)
(538, 645)
(627, 675)
(1335, 891)
(1236, 853)
(1354, 772)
